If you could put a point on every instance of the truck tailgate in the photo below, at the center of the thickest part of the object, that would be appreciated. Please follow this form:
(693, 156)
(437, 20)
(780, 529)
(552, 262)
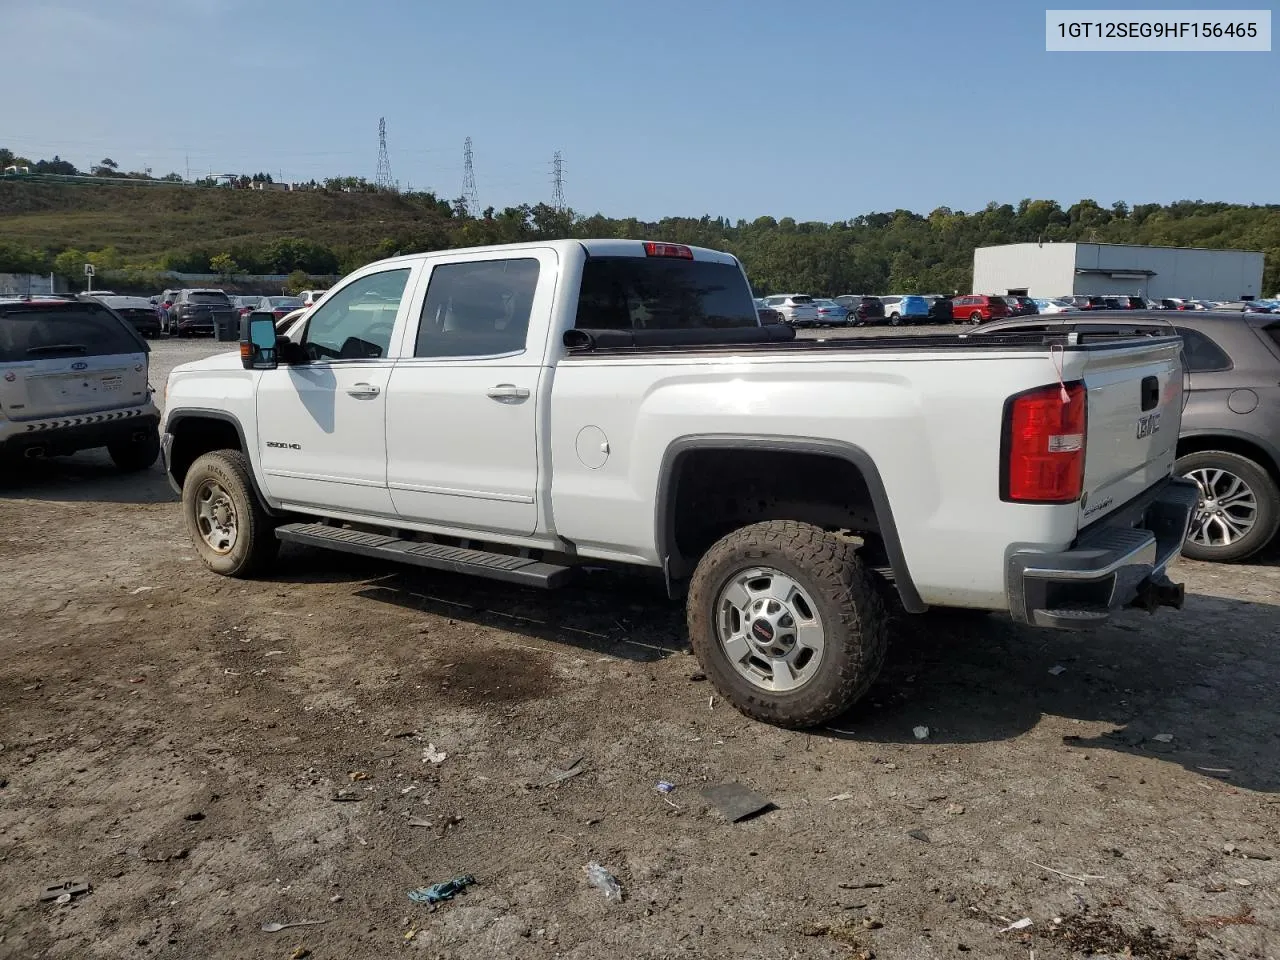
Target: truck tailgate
(1134, 414)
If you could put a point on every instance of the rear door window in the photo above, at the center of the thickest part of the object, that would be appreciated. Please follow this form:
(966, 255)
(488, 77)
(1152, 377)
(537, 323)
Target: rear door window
(63, 332)
(478, 308)
(1202, 354)
(653, 293)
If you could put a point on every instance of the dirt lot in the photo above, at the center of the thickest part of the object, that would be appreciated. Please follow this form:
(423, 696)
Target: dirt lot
(178, 740)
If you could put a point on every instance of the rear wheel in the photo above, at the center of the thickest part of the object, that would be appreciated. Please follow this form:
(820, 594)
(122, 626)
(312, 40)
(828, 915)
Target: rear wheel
(231, 531)
(1239, 509)
(135, 453)
(975, 317)
(787, 623)
(895, 319)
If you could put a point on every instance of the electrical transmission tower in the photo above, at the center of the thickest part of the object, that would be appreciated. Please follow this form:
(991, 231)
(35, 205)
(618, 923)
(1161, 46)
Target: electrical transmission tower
(557, 181)
(469, 193)
(383, 178)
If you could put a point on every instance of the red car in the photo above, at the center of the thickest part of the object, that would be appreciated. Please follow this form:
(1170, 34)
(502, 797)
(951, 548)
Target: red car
(279, 306)
(978, 307)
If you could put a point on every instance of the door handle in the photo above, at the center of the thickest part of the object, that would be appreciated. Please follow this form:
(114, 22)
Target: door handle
(363, 391)
(508, 391)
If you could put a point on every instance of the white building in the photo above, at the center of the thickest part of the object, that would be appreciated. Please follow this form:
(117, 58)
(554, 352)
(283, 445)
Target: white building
(1074, 269)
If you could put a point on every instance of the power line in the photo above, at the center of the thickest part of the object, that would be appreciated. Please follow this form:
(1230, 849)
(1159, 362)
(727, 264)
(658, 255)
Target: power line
(557, 181)
(383, 177)
(469, 193)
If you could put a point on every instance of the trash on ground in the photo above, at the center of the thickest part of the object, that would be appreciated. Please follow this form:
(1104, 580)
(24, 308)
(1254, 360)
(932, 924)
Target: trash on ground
(1163, 738)
(566, 773)
(697, 677)
(604, 881)
(431, 755)
(276, 926)
(918, 835)
(955, 809)
(419, 822)
(195, 816)
(665, 786)
(736, 802)
(1018, 925)
(840, 796)
(300, 953)
(1058, 670)
(63, 899)
(140, 590)
(1242, 882)
(74, 888)
(346, 796)
(440, 892)
(921, 732)
(869, 885)
(358, 775)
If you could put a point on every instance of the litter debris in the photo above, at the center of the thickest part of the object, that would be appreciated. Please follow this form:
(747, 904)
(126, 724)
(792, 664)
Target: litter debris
(1018, 925)
(195, 816)
(920, 835)
(1242, 882)
(63, 899)
(1163, 738)
(665, 786)
(567, 773)
(869, 885)
(736, 802)
(301, 953)
(1057, 671)
(358, 775)
(921, 732)
(431, 755)
(273, 653)
(138, 679)
(176, 855)
(276, 927)
(419, 822)
(1082, 878)
(697, 677)
(346, 796)
(840, 796)
(604, 881)
(140, 590)
(955, 809)
(439, 892)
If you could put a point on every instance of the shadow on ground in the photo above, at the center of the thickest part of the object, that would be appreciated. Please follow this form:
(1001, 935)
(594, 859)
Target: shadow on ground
(88, 477)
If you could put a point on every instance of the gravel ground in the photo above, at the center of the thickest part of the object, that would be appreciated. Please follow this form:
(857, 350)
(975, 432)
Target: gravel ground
(178, 740)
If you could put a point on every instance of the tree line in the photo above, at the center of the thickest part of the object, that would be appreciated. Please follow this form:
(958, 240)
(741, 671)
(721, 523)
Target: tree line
(889, 252)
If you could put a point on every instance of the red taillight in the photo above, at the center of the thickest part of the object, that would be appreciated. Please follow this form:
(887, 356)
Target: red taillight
(678, 250)
(1044, 445)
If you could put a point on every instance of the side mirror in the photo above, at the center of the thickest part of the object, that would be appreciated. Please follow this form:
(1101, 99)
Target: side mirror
(258, 341)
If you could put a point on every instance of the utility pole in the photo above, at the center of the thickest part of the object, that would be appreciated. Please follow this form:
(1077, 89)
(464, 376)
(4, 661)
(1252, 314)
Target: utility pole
(557, 181)
(469, 193)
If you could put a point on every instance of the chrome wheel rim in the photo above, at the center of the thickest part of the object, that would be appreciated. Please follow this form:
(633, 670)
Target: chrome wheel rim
(769, 629)
(1227, 510)
(216, 517)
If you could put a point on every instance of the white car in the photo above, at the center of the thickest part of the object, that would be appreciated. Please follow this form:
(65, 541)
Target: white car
(1048, 305)
(518, 412)
(310, 298)
(797, 309)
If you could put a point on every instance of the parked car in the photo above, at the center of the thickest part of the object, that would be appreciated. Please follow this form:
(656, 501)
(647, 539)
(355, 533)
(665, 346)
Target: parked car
(1229, 442)
(245, 305)
(831, 314)
(797, 309)
(977, 307)
(278, 306)
(647, 408)
(1051, 305)
(940, 309)
(905, 309)
(862, 308)
(1020, 306)
(310, 298)
(199, 311)
(73, 376)
(1081, 302)
(284, 324)
(137, 311)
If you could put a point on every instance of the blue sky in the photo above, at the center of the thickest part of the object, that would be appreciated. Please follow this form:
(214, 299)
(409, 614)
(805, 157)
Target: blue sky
(815, 109)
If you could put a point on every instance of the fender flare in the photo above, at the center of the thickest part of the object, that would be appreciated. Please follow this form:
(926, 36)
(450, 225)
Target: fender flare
(664, 514)
(201, 413)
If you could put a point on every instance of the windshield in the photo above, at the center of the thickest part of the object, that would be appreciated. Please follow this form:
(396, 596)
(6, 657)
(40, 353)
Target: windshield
(658, 293)
(50, 334)
(289, 303)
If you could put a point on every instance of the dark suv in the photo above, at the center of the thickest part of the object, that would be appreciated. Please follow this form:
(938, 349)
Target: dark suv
(200, 311)
(862, 309)
(1230, 439)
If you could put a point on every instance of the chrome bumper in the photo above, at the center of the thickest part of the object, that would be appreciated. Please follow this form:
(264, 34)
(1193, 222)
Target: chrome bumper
(1116, 563)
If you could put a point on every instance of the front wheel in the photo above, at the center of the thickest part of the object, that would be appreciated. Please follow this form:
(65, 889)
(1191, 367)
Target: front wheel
(787, 623)
(975, 317)
(231, 531)
(895, 319)
(1239, 509)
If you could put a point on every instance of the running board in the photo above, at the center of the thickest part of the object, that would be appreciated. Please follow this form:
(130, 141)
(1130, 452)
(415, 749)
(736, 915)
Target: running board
(478, 563)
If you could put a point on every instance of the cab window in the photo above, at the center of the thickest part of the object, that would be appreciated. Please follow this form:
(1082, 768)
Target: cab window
(356, 322)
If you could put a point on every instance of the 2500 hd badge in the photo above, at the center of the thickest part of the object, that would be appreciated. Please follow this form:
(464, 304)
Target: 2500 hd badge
(283, 446)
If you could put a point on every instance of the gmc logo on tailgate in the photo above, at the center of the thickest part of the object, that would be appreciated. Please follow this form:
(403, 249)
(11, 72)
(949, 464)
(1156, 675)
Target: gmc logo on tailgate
(1148, 425)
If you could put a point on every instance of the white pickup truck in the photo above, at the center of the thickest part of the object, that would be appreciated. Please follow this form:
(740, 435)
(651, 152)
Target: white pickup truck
(516, 412)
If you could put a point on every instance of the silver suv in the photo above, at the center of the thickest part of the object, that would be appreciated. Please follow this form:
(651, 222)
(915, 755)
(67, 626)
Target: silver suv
(797, 309)
(73, 376)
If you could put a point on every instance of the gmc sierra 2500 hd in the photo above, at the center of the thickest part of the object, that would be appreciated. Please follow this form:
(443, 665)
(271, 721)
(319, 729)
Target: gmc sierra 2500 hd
(514, 412)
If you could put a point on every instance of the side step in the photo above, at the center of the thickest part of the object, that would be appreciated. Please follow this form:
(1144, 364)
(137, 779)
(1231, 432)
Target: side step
(479, 563)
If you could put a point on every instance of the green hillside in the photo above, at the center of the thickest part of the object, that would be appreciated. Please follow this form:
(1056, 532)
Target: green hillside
(138, 229)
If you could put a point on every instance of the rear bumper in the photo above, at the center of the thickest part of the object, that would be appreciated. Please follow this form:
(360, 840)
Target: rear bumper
(1116, 563)
(65, 435)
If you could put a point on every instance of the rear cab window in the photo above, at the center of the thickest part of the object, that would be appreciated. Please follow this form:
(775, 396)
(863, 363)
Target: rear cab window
(79, 330)
(653, 293)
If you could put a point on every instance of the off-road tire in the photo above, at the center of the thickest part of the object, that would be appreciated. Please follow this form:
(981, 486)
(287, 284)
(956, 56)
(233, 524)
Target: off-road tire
(848, 601)
(256, 545)
(1265, 490)
(133, 454)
